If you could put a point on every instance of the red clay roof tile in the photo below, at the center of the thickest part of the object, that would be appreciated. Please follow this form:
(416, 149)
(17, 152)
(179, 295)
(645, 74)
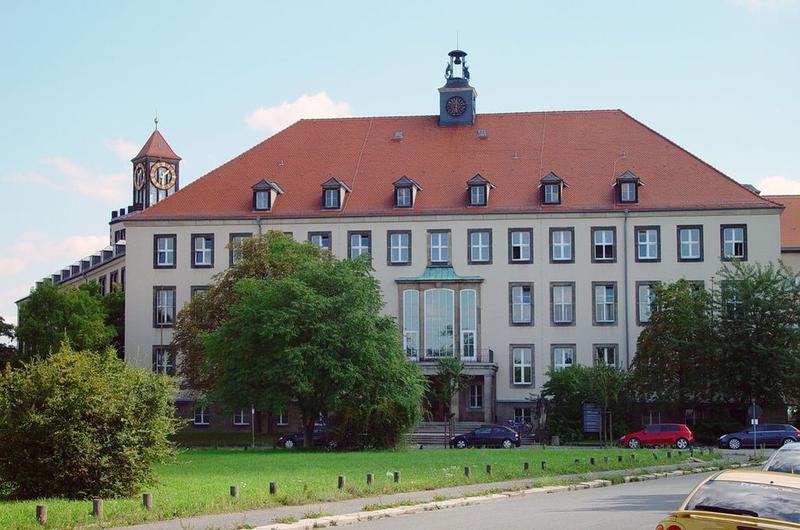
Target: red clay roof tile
(790, 220)
(156, 146)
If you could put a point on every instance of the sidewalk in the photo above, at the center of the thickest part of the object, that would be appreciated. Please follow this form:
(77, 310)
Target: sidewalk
(252, 518)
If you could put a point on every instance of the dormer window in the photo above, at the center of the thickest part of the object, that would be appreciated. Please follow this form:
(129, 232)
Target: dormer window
(479, 190)
(628, 187)
(264, 195)
(333, 191)
(551, 185)
(405, 191)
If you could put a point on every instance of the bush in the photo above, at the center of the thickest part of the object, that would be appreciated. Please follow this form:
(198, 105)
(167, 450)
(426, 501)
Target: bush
(80, 424)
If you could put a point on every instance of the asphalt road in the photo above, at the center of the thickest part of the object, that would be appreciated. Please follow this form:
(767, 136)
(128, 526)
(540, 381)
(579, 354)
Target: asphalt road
(633, 506)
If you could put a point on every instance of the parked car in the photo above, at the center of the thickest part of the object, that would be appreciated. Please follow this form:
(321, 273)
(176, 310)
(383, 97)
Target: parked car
(785, 460)
(295, 439)
(768, 434)
(674, 434)
(487, 436)
(741, 499)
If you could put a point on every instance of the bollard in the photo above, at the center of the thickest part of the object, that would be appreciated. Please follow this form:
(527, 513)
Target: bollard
(273, 488)
(633, 457)
(544, 465)
(591, 461)
(97, 507)
(669, 454)
(488, 469)
(370, 479)
(680, 453)
(41, 513)
(467, 471)
(397, 476)
(147, 501)
(655, 456)
(234, 491)
(619, 458)
(605, 460)
(526, 466)
(341, 482)
(577, 461)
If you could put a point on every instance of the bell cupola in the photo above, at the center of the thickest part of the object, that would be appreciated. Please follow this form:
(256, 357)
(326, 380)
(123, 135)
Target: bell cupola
(457, 97)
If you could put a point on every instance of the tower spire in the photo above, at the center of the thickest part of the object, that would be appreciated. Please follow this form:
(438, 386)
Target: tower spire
(155, 120)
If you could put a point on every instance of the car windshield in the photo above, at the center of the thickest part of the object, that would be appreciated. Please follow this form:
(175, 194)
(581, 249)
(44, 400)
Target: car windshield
(745, 498)
(785, 462)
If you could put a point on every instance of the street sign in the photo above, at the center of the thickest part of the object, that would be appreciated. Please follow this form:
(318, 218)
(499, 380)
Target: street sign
(754, 421)
(754, 411)
(592, 421)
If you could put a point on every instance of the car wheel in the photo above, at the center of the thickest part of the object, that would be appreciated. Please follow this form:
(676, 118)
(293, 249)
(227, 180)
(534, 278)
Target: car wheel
(288, 444)
(634, 443)
(682, 443)
(461, 444)
(507, 444)
(787, 441)
(734, 443)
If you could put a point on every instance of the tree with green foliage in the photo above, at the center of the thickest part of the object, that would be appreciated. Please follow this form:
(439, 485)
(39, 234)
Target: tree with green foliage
(675, 350)
(450, 381)
(82, 424)
(8, 352)
(52, 315)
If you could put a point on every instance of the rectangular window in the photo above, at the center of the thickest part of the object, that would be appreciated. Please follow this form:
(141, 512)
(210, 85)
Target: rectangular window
(331, 198)
(201, 415)
(521, 295)
(102, 282)
(439, 323)
(113, 279)
(733, 239)
(477, 195)
(202, 250)
(403, 197)
(122, 278)
(263, 199)
(522, 365)
(439, 246)
(523, 415)
(563, 356)
(321, 239)
(563, 303)
(163, 307)
(399, 247)
(241, 417)
(163, 360)
(198, 290)
(480, 246)
(561, 245)
(235, 247)
(690, 243)
(469, 322)
(411, 322)
(732, 297)
(645, 299)
(552, 193)
(605, 303)
(519, 245)
(627, 191)
(604, 244)
(282, 418)
(476, 396)
(648, 246)
(359, 243)
(164, 251)
(606, 354)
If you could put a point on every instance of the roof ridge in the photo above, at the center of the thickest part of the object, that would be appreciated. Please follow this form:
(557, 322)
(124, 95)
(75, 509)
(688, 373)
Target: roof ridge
(510, 113)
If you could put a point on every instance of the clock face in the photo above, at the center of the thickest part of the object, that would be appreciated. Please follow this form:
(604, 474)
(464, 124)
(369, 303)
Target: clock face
(162, 175)
(456, 106)
(138, 176)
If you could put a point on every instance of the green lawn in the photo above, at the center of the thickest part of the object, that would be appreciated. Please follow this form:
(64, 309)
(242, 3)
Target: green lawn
(200, 479)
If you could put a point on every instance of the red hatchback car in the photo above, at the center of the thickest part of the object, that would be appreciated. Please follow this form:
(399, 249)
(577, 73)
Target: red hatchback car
(674, 434)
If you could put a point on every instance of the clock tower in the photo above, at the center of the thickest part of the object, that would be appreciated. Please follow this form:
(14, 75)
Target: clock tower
(456, 97)
(155, 172)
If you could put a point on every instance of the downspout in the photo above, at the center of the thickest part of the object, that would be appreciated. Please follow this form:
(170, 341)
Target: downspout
(258, 222)
(625, 288)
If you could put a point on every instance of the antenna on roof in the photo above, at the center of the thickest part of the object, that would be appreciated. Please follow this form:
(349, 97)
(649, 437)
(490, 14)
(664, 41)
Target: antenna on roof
(155, 120)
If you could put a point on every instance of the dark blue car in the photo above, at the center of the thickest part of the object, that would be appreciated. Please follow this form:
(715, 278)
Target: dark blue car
(487, 436)
(768, 434)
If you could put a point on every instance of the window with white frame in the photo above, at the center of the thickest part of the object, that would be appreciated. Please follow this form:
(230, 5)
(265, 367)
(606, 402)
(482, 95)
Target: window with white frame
(690, 241)
(201, 415)
(403, 197)
(236, 247)
(475, 396)
(647, 244)
(241, 417)
(732, 297)
(164, 314)
(603, 244)
(627, 191)
(552, 193)
(331, 197)
(734, 242)
(439, 323)
(520, 246)
(563, 303)
(440, 247)
(477, 195)
(165, 251)
(522, 365)
(561, 242)
(646, 297)
(321, 239)
(469, 322)
(563, 357)
(605, 301)
(203, 250)
(263, 200)
(359, 244)
(605, 354)
(163, 360)
(411, 322)
(521, 304)
(282, 418)
(399, 248)
(480, 246)
(523, 415)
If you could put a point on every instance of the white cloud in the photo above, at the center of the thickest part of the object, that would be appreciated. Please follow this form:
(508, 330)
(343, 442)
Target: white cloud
(33, 178)
(124, 149)
(90, 183)
(768, 5)
(779, 185)
(278, 117)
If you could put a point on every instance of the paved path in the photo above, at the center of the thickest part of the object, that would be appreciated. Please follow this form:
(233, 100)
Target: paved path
(633, 506)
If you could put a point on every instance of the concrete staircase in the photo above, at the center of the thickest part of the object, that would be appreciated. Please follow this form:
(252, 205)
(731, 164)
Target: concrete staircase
(435, 433)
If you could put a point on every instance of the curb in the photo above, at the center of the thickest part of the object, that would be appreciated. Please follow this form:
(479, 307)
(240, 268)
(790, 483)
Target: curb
(356, 517)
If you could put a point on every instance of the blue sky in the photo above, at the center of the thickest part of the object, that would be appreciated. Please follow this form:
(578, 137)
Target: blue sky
(81, 82)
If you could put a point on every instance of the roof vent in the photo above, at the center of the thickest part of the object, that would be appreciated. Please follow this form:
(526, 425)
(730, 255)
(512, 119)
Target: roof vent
(398, 136)
(281, 162)
(753, 189)
(482, 134)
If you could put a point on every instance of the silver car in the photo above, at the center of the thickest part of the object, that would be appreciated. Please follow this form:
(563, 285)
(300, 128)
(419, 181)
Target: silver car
(785, 460)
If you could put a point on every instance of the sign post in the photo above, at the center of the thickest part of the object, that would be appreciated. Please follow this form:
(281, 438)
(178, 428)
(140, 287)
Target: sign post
(754, 413)
(592, 420)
